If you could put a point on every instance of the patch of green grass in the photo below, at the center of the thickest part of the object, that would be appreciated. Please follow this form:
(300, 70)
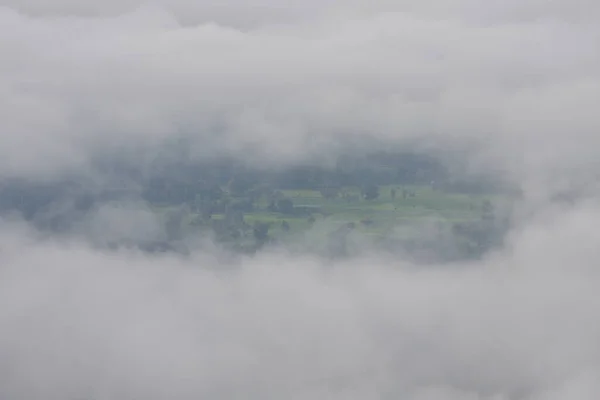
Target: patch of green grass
(391, 217)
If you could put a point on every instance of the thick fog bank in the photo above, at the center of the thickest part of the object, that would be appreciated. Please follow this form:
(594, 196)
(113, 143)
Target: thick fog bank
(522, 324)
(512, 85)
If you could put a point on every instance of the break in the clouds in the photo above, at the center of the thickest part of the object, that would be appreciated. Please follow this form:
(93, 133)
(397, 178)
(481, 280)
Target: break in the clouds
(517, 81)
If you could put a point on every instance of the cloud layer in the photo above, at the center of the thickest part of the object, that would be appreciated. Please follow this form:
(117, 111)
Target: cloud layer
(521, 325)
(514, 84)
(520, 81)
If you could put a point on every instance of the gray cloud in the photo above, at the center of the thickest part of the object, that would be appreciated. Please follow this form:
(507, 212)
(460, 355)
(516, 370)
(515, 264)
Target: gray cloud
(516, 84)
(123, 222)
(276, 12)
(524, 90)
(521, 325)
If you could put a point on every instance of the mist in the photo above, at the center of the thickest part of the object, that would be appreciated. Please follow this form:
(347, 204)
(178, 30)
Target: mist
(521, 324)
(80, 82)
(97, 99)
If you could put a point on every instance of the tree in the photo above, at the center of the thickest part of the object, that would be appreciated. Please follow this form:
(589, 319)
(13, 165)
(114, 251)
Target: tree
(371, 192)
(276, 195)
(272, 207)
(329, 192)
(393, 194)
(487, 210)
(211, 193)
(260, 231)
(239, 185)
(285, 206)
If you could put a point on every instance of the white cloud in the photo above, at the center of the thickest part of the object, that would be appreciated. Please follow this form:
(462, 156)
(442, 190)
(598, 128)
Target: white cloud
(517, 81)
(525, 89)
(520, 325)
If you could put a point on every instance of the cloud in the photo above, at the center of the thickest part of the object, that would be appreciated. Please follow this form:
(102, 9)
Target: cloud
(123, 222)
(78, 80)
(275, 12)
(82, 323)
(513, 85)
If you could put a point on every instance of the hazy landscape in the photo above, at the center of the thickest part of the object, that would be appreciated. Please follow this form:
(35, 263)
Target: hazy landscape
(299, 200)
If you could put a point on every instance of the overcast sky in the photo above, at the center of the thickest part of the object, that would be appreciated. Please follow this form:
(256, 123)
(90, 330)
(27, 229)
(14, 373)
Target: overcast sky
(515, 82)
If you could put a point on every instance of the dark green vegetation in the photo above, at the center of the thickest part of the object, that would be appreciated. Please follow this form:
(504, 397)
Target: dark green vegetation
(398, 202)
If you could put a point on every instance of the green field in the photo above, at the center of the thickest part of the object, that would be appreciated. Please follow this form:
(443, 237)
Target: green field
(384, 215)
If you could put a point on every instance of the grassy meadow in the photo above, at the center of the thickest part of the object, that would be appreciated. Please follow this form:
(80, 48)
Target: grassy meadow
(385, 215)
